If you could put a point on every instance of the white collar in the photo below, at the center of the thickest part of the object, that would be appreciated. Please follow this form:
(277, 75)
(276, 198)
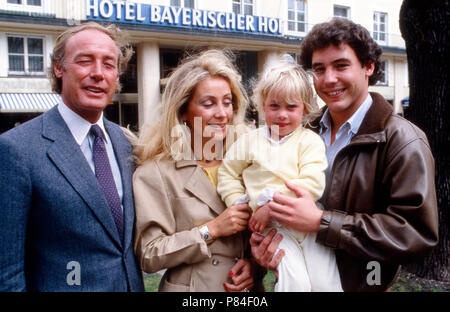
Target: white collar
(78, 126)
(283, 139)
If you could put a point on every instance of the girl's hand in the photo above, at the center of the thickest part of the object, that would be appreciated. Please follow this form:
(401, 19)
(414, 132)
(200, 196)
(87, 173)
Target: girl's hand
(260, 219)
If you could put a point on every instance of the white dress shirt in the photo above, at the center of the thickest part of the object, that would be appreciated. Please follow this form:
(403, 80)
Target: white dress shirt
(80, 127)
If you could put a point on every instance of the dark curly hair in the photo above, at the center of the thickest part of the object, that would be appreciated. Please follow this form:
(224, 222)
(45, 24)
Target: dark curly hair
(336, 32)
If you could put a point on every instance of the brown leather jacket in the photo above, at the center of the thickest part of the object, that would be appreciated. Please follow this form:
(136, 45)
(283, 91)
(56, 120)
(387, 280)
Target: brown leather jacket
(380, 202)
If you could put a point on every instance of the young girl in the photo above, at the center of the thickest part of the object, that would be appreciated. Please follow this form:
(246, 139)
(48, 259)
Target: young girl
(259, 162)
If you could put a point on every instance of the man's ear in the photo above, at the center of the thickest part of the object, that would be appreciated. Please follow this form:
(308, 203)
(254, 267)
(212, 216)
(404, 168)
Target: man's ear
(370, 68)
(57, 69)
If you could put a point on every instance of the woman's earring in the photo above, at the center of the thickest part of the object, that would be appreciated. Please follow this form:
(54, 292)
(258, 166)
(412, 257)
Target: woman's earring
(186, 123)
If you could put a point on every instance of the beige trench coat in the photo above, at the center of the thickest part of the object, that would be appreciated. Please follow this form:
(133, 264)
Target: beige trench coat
(172, 199)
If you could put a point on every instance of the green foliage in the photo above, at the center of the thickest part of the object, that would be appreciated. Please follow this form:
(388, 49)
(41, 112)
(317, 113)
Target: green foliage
(269, 281)
(410, 283)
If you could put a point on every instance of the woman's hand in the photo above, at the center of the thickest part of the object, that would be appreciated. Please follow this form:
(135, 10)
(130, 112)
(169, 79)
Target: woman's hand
(241, 275)
(232, 220)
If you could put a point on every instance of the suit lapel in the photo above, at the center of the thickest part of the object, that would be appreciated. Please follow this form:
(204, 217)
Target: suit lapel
(123, 153)
(68, 158)
(199, 185)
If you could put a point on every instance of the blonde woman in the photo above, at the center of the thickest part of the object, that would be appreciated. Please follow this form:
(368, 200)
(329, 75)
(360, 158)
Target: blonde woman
(181, 223)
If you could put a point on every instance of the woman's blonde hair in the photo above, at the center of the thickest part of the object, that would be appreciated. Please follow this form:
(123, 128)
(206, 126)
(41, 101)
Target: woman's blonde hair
(282, 75)
(169, 137)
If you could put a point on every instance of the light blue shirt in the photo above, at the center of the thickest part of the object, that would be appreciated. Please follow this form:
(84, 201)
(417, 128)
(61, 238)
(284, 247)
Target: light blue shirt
(345, 133)
(80, 127)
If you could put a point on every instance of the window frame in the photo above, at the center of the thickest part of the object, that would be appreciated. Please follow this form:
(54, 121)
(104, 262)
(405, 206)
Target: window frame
(384, 80)
(24, 6)
(347, 8)
(182, 4)
(242, 6)
(24, 2)
(376, 33)
(305, 14)
(26, 55)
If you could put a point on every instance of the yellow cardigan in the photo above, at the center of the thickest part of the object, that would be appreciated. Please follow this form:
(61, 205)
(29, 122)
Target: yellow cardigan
(252, 163)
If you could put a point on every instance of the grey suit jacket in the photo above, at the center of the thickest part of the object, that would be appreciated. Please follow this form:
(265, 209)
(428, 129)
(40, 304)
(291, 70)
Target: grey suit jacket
(56, 229)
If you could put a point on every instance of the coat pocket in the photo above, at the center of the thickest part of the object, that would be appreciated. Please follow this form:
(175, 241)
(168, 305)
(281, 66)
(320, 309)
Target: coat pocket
(172, 287)
(190, 212)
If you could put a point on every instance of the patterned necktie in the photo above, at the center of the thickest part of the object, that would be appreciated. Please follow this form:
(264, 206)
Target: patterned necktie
(105, 177)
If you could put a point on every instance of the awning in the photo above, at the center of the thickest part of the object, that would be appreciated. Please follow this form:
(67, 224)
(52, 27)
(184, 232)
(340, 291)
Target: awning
(27, 102)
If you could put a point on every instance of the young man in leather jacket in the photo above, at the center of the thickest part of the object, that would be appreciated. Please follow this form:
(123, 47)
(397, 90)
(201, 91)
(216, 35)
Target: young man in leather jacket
(379, 208)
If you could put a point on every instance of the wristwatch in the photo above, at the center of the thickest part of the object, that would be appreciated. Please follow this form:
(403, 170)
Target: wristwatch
(204, 232)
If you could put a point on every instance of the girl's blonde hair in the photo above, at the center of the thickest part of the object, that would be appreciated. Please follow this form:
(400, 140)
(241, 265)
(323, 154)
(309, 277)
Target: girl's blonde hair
(290, 81)
(169, 137)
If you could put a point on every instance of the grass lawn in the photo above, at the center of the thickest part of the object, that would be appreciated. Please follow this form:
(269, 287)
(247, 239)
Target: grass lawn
(151, 282)
(405, 283)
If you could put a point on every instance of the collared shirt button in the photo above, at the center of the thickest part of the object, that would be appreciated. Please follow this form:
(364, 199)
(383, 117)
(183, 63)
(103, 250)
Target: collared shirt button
(215, 262)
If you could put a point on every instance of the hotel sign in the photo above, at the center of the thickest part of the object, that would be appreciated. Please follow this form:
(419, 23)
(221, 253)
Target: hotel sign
(119, 11)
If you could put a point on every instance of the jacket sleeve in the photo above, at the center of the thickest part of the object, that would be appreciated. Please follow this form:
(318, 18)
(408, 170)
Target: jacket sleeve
(15, 202)
(158, 244)
(407, 227)
(312, 164)
(230, 185)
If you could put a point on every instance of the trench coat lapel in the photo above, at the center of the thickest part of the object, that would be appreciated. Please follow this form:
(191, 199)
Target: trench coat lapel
(199, 185)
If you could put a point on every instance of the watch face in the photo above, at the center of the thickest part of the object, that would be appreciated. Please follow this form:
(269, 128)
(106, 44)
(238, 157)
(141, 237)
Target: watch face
(205, 233)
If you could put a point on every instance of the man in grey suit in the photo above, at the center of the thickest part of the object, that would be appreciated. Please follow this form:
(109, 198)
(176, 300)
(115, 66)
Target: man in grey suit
(66, 203)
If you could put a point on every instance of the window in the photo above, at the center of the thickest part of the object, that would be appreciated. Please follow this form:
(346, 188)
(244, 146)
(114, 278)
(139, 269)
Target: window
(26, 5)
(183, 3)
(379, 27)
(25, 55)
(26, 2)
(244, 7)
(296, 16)
(384, 77)
(169, 59)
(341, 11)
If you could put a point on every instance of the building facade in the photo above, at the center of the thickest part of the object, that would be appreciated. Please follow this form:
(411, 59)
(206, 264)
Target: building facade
(163, 31)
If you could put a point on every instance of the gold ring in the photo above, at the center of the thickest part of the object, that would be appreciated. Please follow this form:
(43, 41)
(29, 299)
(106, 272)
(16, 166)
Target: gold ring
(246, 290)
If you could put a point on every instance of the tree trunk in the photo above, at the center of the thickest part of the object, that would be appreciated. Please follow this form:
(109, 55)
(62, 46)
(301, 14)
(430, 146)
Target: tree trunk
(425, 28)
